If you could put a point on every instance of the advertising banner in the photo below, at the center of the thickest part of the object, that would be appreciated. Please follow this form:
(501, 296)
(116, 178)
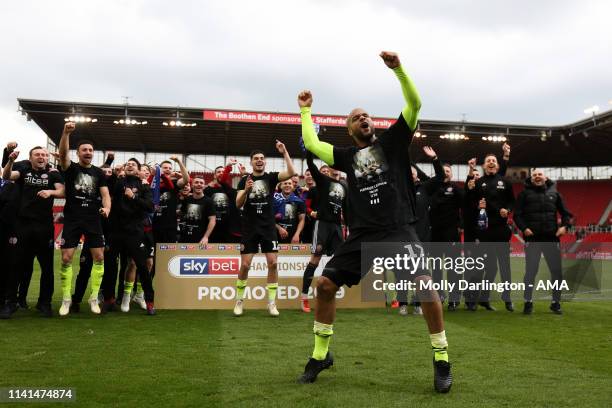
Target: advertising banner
(285, 118)
(193, 276)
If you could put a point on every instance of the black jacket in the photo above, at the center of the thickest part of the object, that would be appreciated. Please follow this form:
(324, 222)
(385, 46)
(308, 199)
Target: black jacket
(537, 207)
(498, 194)
(446, 204)
(10, 193)
(425, 187)
(128, 214)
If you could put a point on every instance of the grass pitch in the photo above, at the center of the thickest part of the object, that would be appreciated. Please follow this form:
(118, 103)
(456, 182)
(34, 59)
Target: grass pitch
(210, 358)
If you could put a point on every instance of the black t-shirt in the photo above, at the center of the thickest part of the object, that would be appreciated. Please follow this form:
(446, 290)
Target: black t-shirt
(258, 210)
(224, 202)
(328, 197)
(165, 215)
(290, 216)
(381, 193)
(83, 199)
(31, 182)
(194, 218)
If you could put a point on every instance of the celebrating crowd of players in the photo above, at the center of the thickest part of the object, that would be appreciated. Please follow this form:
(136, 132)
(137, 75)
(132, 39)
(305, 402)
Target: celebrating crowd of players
(122, 213)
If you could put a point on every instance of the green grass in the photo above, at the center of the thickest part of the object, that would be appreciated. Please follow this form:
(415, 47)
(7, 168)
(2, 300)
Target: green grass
(209, 358)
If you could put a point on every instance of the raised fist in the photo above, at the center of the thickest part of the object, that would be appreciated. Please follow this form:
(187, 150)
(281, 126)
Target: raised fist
(10, 146)
(472, 163)
(13, 155)
(69, 127)
(390, 58)
(280, 146)
(506, 149)
(305, 99)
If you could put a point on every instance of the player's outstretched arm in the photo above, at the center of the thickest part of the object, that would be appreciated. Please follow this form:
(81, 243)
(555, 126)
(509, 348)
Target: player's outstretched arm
(184, 172)
(314, 170)
(7, 171)
(411, 96)
(323, 150)
(64, 145)
(290, 171)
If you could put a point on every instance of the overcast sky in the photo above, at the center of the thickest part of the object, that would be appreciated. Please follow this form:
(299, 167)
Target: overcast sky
(532, 62)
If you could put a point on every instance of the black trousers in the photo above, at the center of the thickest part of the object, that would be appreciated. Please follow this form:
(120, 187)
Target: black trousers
(34, 240)
(549, 247)
(495, 251)
(8, 251)
(445, 243)
(24, 282)
(469, 234)
(132, 245)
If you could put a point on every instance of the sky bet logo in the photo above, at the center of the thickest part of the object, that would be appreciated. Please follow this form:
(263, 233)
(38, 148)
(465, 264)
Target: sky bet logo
(208, 266)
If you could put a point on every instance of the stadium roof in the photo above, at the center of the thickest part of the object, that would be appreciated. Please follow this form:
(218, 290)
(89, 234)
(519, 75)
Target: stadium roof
(223, 132)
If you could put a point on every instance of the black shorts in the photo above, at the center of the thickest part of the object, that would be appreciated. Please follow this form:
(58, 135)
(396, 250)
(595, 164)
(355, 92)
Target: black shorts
(92, 229)
(149, 243)
(254, 242)
(326, 237)
(345, 266)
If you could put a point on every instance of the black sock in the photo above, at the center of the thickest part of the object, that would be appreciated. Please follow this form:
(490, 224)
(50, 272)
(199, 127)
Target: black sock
(307, 278)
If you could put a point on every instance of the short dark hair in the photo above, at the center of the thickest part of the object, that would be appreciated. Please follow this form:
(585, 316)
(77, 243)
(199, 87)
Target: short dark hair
(135, 160)
(105, 166)
(218, 167)
(490, 154)
(254, 152)
(447, 165)
(166, 161)
(35, 148)
(83, 142)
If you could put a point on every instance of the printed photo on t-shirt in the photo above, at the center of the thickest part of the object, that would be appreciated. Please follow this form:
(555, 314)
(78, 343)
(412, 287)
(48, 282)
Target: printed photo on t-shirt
(193, 212)
(290, 211)
(260, 190)
(370, 165)
(84, 184)
(221, 201)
